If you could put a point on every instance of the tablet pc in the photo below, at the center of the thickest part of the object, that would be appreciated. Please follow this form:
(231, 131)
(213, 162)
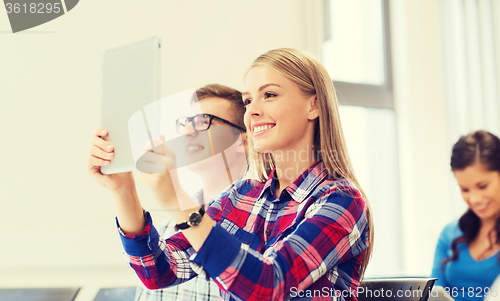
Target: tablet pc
(130, 81)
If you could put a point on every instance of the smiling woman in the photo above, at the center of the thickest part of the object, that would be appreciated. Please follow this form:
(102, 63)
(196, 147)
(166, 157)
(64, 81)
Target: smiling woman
(467, 258)
(303, 226)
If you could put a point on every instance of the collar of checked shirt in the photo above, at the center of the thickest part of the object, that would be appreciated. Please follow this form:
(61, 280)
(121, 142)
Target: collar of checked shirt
(302, 186)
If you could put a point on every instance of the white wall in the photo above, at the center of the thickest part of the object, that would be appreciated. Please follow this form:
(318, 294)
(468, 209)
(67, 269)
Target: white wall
(52, 214)
(421, 120)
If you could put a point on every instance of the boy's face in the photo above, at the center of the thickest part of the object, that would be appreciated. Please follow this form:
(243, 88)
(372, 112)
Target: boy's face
(197, 145)
(216, 106)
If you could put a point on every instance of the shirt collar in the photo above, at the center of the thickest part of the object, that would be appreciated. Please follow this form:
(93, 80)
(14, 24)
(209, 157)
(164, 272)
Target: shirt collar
(303, 185)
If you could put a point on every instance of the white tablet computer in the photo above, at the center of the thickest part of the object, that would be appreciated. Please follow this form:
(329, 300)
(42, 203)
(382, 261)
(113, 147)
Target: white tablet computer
(130, 81)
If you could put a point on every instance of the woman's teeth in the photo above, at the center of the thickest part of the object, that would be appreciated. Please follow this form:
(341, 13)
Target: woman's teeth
(482, 207)
(192, 148)
(262, 128)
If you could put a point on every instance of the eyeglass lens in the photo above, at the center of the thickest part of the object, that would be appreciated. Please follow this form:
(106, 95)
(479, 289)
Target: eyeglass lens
(200, 122)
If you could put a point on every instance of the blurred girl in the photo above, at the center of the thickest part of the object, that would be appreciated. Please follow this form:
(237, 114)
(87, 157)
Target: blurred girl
(467, 258)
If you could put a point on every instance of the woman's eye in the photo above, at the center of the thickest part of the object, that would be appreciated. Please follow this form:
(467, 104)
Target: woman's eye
(269, 94)
(246, 102)
(465, 190)
(482, 186)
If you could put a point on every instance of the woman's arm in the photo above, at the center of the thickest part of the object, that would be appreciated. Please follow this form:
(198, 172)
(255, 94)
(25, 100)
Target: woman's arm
(161, 263)
(121, 185)
(158, 263)
(168, 192)
(442, 250)
(130, 216)
(128, 210)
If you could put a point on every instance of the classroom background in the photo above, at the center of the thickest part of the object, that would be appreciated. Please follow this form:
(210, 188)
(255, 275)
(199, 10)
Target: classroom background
(412, 76)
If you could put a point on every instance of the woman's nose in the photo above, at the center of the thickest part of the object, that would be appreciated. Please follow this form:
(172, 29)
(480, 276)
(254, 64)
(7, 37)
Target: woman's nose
(254, 108)
(475, 197)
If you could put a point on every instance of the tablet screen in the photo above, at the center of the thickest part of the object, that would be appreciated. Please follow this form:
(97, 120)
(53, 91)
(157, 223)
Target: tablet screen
(130, 81)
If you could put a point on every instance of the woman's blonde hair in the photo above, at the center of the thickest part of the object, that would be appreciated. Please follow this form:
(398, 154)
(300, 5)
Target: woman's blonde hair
(313, 79)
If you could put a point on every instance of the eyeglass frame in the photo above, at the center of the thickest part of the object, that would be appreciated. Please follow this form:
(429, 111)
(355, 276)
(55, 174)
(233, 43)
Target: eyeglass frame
(212, 117)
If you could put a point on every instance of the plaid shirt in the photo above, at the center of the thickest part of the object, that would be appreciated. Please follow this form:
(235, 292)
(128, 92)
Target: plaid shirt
(197, 289)
(308, 242)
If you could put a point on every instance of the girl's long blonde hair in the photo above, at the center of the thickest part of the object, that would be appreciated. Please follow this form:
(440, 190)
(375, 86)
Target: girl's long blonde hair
(313, 79)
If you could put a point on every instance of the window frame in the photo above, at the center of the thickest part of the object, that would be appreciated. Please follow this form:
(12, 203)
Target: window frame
(366, 95)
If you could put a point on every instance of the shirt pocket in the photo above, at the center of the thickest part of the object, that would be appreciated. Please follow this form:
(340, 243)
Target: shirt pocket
(241, 234)
(244, 236)
(284, 233)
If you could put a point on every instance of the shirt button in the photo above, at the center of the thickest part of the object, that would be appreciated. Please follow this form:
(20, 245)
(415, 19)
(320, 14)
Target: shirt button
(268, 232)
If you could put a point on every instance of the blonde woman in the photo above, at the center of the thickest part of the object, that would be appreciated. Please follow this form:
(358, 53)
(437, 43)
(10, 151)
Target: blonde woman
(303, 230)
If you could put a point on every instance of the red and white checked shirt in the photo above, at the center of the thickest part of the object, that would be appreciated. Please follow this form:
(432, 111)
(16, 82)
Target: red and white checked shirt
(308, 242)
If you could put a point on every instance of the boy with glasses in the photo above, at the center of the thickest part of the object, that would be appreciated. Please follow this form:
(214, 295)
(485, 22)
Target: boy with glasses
(221, 106)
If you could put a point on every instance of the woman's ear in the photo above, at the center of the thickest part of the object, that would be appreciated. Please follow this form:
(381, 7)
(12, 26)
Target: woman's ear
(313, 108)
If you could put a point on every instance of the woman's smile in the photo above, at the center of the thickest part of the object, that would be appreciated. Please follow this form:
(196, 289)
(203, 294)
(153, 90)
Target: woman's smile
(259, 128)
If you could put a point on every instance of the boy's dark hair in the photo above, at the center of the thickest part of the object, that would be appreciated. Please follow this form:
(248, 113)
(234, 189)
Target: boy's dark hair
(232, 95)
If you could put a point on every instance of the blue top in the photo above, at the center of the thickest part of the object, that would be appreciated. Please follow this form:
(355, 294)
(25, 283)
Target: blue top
(464, 278)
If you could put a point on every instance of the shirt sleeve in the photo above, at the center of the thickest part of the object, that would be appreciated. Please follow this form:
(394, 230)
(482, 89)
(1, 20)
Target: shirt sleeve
(334, 230)
(160, 263)
(157, 262)
(442, 252)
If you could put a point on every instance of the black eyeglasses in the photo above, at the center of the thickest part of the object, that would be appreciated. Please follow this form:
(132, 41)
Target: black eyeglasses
(201, 122)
